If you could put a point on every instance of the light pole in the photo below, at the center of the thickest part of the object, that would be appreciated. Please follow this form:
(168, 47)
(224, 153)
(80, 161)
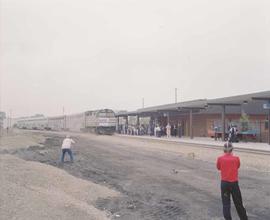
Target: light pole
(10, 118)
(64, 119)
(1, 117)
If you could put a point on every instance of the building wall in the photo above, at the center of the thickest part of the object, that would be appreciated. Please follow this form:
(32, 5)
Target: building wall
(200, 125)
(257, 121)
(203, 124)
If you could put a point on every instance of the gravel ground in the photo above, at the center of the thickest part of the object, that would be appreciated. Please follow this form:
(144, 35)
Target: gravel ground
(157, 180)
(32, 190)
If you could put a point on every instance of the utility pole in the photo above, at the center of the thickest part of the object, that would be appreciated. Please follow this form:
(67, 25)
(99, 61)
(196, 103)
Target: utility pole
(10, 118)
(175, 95)
(64, 119)
(1, 118)
(142, 102)
(268, 122)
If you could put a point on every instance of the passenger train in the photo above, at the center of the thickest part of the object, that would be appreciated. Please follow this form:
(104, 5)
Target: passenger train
(35, 123)
(101, 121)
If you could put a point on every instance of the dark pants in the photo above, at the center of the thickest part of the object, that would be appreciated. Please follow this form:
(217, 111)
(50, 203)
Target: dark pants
(64, 151)
(180, 132)
(233, 138)
(228, 189)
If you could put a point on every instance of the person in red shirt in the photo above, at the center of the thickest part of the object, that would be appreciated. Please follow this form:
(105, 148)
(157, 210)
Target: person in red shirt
(228, 164)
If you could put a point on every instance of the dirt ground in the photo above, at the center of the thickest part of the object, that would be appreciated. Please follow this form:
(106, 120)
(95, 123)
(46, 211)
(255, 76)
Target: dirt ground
(142, 179)
(32, 190)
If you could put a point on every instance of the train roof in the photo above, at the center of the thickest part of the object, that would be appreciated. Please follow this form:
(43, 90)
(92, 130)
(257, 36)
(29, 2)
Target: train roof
(32, 119)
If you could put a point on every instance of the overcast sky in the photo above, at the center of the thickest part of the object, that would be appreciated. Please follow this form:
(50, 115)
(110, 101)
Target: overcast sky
(90, 54)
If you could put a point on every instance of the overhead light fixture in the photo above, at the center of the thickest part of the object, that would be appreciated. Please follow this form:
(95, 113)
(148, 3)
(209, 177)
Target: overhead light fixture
(245, 102)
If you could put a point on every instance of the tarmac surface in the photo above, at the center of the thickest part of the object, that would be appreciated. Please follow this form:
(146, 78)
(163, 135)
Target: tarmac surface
(156, 180)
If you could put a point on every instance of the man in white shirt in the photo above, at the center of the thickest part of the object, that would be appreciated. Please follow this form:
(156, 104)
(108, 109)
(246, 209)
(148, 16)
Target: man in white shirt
(66, 148)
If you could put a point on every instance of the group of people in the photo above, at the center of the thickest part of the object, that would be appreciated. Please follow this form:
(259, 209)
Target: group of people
(154, 130)
(168, 130)
(133, 130)
(227, 164)
(232, 137)
(231, 134)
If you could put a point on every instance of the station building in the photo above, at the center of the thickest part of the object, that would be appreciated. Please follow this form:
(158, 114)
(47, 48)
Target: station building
(250, 113)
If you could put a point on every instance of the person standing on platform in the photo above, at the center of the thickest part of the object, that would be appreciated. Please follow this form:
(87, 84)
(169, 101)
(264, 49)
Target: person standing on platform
(232, 134)
(158, 131)
(168, 130)
(66, 148)
(216, 132)
(155, 131)
(174, 130)
(228, 164)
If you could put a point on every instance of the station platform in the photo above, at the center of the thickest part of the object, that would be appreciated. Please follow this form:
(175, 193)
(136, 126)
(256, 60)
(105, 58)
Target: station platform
(205, 141)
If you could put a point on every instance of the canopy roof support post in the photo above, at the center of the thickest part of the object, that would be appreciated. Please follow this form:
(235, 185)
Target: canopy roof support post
(269, 126)
(117, 124)
(138, 120)
(126, 122)
(191, 123)
(223, 122)
(168, 118)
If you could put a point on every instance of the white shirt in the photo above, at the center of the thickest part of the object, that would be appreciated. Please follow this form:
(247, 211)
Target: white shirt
(67, 142)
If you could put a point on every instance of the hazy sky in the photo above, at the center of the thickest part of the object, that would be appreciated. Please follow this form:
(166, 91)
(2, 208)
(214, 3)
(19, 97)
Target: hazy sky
(89, 54)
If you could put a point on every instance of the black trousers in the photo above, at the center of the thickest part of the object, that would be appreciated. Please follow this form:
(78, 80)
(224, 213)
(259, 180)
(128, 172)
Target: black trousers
(228, 189)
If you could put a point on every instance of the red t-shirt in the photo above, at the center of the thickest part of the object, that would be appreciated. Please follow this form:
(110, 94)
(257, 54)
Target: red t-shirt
(228, 165)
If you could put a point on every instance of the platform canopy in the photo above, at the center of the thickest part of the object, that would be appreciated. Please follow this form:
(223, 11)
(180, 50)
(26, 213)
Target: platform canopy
(175, 107)
(253, 105)
(240, 99)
